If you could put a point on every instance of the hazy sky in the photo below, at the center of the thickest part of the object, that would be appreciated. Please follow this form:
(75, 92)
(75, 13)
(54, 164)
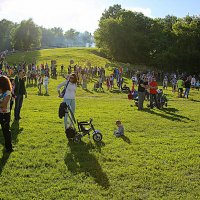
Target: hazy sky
(83, 15)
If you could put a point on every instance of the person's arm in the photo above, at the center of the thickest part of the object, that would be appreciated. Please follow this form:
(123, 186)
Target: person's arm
(4, 103)
(59, 87)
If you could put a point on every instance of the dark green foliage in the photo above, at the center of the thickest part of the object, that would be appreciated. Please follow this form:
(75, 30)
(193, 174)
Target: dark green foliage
(5, 34)
(168, 44)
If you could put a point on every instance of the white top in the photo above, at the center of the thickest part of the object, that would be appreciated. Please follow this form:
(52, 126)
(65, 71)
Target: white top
(193, 81)
(70, 91)
(2, 97)
(46, 80)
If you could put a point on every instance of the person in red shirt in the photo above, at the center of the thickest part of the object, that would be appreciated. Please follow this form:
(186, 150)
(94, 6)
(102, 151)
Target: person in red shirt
(153, 85)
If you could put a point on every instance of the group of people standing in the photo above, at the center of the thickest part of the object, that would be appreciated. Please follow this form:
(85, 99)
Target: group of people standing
(143, 87)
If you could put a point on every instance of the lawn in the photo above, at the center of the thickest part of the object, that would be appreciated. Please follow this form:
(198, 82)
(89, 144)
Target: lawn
(158, 158)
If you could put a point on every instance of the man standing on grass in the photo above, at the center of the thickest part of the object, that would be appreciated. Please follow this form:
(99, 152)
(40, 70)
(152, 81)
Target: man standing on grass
(180, 84)
(20, 91)
(153, 92)
(141, 93)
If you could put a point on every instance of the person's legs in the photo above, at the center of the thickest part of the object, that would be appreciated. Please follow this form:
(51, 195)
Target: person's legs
(71, 103)
(156, 100)
(5, 124)
(16, 110)
(151, 100)
(141, 96)
(46, 88)
(21, 97)
(187, 92)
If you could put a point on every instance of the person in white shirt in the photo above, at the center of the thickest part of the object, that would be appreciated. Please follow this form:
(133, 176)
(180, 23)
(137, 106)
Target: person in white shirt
(193, 81)
(5, 95)
(46, 83)
(69, 95)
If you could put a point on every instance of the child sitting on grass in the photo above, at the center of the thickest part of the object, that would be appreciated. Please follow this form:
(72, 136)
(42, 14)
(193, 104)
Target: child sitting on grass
(120, 131)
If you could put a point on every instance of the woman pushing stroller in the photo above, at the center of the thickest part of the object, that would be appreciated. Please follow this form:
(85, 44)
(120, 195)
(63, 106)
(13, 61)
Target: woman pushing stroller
(68, 95)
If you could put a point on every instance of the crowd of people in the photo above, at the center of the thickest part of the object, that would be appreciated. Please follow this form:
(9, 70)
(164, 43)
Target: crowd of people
(13, 89)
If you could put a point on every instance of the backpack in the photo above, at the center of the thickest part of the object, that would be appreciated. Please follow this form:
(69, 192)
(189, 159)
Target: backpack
(70, 132)
(62, 110)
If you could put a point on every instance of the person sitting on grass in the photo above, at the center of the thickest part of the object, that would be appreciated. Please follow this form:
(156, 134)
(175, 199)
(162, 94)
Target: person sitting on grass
(120, 131)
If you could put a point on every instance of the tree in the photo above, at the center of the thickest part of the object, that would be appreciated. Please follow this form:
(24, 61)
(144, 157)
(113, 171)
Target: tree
(112, 12)
(71, 37)
(5, 36)
(26, 36)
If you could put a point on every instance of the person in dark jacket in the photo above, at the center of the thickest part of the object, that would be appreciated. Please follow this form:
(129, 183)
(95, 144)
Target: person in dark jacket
(20, 91)
(187, 87)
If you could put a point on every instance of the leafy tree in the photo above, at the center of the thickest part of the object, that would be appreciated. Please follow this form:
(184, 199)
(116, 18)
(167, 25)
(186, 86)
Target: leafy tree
(71, 37)
(5, 36)
(112, 12)
(26, 36)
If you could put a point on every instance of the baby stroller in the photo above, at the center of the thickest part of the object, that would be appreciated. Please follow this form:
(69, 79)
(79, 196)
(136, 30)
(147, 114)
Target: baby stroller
(84, 127)
(161, 100)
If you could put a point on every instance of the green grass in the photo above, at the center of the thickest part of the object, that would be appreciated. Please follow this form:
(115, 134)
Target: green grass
(158, 159)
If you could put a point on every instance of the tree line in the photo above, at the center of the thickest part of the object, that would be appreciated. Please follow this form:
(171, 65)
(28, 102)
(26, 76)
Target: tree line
(27, 35)
(169, 43)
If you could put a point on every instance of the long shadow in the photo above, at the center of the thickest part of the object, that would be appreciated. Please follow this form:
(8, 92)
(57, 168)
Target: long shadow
(168, 115)
(88, 91)
(81, 160)
(194, 100)
(14, 131)
(115, 91)
(126, 139)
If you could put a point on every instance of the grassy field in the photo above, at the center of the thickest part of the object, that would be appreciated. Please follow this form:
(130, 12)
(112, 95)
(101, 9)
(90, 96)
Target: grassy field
(158, 158)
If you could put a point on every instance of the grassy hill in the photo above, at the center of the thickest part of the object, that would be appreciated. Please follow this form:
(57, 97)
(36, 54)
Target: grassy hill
(158, 159)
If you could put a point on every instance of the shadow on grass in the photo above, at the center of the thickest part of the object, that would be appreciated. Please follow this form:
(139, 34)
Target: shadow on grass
(126, 139)
(194, 100)
(81, 160)
(31, 85)
(14, 131)
(115, 91)
(168, 113)
(88, 91)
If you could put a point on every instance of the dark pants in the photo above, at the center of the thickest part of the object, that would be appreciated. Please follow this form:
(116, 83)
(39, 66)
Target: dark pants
(5, 125)
(153, 98)
(141, 97)
(18, 106)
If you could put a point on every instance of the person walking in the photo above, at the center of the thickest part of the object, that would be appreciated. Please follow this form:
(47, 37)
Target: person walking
(180, 84)
(5, 95)
(20, 91)
(187, 87)
(69, 95)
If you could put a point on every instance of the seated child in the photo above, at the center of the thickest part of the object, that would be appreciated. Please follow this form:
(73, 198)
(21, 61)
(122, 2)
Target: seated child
(120, 131)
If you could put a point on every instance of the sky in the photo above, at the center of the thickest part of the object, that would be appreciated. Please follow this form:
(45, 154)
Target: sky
(83, 15)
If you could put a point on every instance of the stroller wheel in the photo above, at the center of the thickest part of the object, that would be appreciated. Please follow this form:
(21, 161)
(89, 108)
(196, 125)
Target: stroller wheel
(97, 137)
(77, 139)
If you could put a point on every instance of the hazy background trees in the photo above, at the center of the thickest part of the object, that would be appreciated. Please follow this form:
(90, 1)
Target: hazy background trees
(168, 43)
(27, 35)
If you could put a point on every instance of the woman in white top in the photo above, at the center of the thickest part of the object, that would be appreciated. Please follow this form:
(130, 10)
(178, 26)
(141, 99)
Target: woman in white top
(5, 95)
(46, 83)
(69, 95)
